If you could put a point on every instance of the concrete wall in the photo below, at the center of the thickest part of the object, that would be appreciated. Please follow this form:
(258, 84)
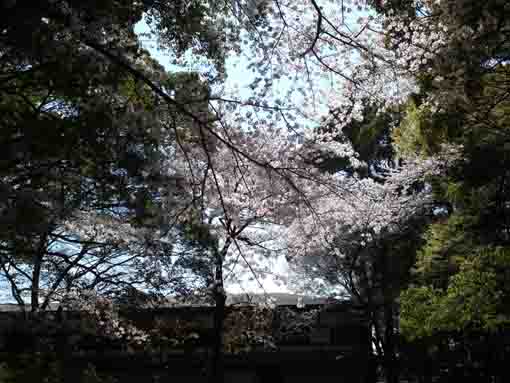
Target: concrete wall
(335, 350)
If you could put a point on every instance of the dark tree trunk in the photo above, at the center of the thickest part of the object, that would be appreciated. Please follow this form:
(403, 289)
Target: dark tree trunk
(36, 276)
(217, 354)
(216, 367)
(36, 272)
(390, 362)
(371, 375)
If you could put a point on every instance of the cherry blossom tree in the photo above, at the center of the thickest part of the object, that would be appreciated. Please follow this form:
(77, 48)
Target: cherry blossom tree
(359, 243)
(240, 192)
(154, 164)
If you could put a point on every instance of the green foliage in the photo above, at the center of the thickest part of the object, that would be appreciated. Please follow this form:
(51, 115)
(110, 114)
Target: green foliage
(460, 277)
(447, 243)
(475, 299)
(408, 137)
(415, 303)
(370, 137)
(421, 132)
(181, 26)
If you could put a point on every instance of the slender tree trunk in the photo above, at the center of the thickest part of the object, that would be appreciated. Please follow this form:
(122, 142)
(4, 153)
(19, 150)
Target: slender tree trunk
(390, 362)
(375, 336)
(366, 299)
(36, 274)
(217, 355)
(216, 372)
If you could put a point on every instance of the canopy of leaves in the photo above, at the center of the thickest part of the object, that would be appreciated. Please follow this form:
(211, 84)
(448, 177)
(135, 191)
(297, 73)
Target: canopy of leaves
(462, 268)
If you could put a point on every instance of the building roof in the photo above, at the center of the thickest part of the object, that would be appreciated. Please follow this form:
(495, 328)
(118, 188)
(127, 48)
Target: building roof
(278, 299)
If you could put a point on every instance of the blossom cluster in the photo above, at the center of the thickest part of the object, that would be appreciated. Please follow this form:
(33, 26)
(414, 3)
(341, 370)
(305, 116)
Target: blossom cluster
(108, 323)
(367, 207)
